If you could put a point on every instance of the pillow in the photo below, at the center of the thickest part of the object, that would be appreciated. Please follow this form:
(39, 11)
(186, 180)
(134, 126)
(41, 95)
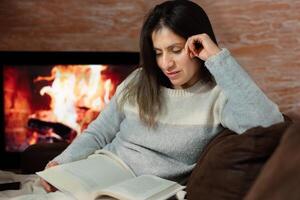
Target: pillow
(279, 178)
(36, 157)
(230, 163)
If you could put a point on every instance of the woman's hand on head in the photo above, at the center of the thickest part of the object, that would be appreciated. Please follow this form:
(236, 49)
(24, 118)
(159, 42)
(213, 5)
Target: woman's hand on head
(201, 46)
(45, 184)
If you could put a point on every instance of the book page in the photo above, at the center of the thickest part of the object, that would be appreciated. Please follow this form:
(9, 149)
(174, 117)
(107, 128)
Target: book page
(142, 187)
(81, 177)
(113, 157)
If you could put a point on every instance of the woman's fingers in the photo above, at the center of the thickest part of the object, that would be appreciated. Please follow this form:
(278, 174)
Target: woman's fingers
(201, 46)
(51, 164)
(187, 48)
(45, 184)
(194, 45)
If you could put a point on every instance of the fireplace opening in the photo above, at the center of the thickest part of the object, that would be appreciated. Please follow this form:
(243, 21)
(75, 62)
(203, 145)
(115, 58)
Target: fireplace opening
(54, 98)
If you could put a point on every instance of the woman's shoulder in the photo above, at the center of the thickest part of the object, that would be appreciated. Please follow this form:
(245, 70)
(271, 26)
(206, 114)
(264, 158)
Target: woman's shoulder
(132, 76)
(214, 91)
(211, 90)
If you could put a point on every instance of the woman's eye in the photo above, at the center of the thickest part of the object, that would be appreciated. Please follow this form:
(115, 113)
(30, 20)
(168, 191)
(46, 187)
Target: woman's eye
(157, 53)
(176, 50)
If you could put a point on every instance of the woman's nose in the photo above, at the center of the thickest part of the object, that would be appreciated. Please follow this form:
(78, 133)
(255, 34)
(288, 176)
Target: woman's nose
(167, 62)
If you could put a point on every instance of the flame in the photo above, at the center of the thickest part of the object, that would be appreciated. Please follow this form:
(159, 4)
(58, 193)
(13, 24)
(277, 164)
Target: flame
(76, 86)
(33, 138)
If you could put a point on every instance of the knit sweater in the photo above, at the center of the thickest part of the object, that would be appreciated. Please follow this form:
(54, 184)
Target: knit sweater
(190, 119)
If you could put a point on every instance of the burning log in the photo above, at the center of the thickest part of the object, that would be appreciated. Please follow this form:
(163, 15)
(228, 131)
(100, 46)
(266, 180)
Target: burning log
(55, 130)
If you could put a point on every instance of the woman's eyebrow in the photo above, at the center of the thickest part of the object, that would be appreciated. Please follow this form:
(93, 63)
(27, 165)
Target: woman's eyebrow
(172, 46)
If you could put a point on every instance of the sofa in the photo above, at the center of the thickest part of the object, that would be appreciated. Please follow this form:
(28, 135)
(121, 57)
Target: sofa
(261, 163)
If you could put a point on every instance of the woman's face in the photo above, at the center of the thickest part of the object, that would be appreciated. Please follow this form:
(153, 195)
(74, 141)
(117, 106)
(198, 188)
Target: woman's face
(172, 59)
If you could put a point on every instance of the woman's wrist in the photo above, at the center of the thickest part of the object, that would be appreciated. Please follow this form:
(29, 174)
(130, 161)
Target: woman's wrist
(214, 52)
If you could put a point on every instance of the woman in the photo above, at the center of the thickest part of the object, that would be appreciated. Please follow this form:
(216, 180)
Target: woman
(185, 92)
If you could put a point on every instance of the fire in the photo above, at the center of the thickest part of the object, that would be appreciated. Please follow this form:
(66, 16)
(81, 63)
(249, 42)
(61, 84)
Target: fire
(33, 138)
(76, 86)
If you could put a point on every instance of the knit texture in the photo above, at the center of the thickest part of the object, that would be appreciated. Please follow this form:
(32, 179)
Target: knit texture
(190, 119)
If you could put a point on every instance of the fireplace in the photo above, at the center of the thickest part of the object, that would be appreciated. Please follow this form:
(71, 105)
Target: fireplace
(47, 97)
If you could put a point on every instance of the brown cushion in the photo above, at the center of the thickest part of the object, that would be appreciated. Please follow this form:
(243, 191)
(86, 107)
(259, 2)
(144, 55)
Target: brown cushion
(279, 178)
(36, 156)
(230, 163)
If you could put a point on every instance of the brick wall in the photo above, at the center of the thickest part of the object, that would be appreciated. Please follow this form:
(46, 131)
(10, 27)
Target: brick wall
(263, 35)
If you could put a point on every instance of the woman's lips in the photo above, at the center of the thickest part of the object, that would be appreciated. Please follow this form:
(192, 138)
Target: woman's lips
(172, 75)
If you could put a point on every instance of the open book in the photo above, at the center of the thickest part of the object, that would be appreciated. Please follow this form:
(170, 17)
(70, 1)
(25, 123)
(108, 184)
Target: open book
(105, 176)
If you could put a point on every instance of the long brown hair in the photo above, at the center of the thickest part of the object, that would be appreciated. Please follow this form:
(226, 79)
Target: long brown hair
(184, 18)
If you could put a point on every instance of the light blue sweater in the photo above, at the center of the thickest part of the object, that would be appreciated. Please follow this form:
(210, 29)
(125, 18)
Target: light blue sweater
(190, 119)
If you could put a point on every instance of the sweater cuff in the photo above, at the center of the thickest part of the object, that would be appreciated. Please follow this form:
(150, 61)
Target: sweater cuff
(60, 159)
(216, 60)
